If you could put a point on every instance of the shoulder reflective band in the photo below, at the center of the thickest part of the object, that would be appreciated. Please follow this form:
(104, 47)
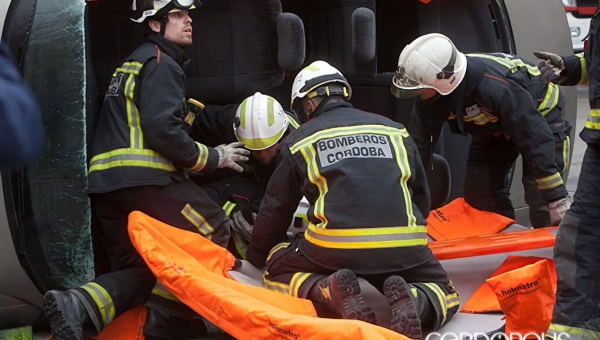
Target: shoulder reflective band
(130, 157)
(292, 121)
(367, 238)
(511, 64)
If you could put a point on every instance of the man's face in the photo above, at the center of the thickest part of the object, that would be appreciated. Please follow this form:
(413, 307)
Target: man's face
(266, 156)
(179, 28)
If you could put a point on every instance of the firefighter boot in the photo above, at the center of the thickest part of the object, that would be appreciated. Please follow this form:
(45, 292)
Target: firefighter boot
(340, 293)
(405, 316)
(67, 315)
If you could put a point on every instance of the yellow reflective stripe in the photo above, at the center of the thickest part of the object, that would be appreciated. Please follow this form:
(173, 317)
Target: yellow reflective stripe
(103, 301)
(136, 139)
(347, 130)
(161, 291)
(202, 158)
(270, 111)
(366, 238)
(260, 143)
(402, 159)
(243, 115)
(575, 333)
(549, 182)
(593, 121)
(228, 207)
(566, 151)
(197, 220)
(414, 292)
(276, 248)
(275, 286)
(132, 67)
(452, 300)
(584, 79)
(240, 245)
(441, 298)
(130, 157)
(297, 281)
(319, 181)
(512, 64)
(550, 100)
(292, 121)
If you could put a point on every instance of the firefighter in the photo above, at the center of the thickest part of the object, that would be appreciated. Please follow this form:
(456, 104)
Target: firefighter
(506, 106)
(576, 313)
(369, 198)
(141, 158)
(259, 122)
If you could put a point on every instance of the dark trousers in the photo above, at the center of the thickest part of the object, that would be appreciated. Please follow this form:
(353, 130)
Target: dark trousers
(488, 177)
(181, 204)
(577, 257)
(290, 272)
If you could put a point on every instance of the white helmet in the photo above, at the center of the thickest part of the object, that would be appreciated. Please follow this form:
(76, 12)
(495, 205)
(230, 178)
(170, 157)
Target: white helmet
(259, 122)
(315, 75)
(144, 9)
(429, 62)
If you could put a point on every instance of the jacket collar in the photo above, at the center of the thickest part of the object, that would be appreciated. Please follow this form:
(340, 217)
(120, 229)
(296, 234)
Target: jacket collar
(170, 48)
(329, 107)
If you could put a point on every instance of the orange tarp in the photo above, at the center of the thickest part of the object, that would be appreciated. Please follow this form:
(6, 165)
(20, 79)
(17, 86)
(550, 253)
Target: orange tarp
(483, 300)
(458, 219)
(195, 270)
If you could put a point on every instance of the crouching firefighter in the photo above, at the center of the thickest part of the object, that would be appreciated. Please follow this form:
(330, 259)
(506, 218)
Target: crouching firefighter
(506, 106)
(576, 254)
(141, 157)
(260, 123)
(368, 192)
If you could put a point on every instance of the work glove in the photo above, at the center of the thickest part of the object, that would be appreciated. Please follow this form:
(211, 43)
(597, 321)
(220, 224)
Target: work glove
(230, 154)
(552, 68)
(241, 227)
(558, 209)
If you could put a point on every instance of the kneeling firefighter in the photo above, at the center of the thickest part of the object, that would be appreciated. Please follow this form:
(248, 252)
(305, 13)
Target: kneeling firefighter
(141, 160)
(368, 192)
(260, 123)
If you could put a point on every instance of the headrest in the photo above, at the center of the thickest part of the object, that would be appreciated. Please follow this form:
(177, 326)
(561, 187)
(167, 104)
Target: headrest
(363, 35)
(292, 44)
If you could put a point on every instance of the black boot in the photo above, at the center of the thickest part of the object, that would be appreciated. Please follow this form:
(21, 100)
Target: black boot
(160, 325)
(405, 316)
(67, 315)
(340, 293)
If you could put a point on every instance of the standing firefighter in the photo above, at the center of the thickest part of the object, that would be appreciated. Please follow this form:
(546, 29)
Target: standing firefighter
(141, 157)
(368, 192)
(576, 254)
(507, 107)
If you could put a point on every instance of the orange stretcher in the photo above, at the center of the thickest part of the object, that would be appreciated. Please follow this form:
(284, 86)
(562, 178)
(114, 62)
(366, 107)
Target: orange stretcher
(494, 244)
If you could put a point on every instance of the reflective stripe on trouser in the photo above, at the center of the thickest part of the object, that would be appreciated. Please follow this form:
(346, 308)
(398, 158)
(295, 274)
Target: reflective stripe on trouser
(443, 298)
(102, 300)
(576, 254)
(560, 332)
(593, 121)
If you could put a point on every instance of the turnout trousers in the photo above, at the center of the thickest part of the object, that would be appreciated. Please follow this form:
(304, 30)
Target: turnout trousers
(576, 314)
(181, 204)
(488, 177)
(290, 272)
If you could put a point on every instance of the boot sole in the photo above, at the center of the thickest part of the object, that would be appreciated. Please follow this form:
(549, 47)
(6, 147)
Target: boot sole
(348, 295)
(61, 330)
(405, 317)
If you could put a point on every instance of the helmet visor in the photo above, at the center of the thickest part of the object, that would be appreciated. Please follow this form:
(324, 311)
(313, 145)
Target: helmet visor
(183, 4)
(404, 86)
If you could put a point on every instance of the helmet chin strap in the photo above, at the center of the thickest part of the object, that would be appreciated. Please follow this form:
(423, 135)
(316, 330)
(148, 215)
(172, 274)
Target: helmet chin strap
(163, 25)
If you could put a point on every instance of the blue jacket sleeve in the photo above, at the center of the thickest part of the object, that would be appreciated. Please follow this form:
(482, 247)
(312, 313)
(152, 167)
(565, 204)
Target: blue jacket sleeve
(21, 132)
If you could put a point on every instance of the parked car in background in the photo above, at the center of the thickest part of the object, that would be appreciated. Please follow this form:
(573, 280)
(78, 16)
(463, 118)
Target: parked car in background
(579, 14)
